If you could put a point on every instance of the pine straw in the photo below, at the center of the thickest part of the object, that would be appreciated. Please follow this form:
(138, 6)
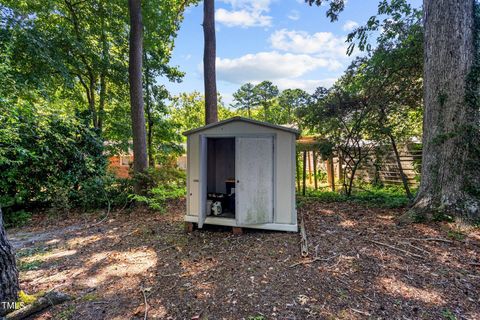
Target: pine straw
(364, 265)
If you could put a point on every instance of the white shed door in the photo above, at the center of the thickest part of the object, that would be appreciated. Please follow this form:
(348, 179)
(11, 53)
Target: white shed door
(202, 212)
(254, 174)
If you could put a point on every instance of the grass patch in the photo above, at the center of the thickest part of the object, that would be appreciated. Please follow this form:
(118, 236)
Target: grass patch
(66, 314)
(28, 266)
(456, 235)
(383, 197)
(30, 252)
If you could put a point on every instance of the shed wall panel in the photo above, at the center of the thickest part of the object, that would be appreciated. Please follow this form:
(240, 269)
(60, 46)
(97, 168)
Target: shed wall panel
(284, 175)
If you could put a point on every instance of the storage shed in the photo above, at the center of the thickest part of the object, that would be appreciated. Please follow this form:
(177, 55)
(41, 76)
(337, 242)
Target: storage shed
(241, 173)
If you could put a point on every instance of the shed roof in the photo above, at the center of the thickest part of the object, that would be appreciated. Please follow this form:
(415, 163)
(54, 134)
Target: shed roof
(233, 119)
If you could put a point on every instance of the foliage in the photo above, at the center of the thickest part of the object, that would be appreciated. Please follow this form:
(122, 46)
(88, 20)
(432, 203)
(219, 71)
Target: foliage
(163, 184)
(341, 116)
(291, 100)
(17, 219)
(378, 101)
(44, 158)
(265, 102)
(188, 111)
(163, 137)
(245, 99)
(265, 93)
(385, 197)
(63, 92)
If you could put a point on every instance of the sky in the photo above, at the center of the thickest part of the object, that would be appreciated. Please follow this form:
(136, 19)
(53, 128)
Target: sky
(284, 41)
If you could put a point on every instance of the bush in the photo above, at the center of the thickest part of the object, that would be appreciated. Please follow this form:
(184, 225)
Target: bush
(20, 218)
(103, 191)
(386, 197)
(163, 184)
(44, 160)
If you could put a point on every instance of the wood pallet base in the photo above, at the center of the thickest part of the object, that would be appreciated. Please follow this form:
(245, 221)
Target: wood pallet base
(189, 227)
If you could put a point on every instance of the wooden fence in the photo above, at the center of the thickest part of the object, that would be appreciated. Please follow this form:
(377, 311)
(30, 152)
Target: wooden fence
(381, 166)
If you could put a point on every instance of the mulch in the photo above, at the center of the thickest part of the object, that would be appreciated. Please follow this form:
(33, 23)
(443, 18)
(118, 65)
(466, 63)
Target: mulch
(361, 265)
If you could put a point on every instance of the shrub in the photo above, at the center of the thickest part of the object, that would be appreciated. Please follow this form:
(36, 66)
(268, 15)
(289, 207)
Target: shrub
(44, 160)
(386, 197)
(20, 218)
(163, 184)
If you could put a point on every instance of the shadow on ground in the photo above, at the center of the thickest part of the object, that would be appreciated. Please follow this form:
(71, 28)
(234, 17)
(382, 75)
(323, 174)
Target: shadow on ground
(367, 266)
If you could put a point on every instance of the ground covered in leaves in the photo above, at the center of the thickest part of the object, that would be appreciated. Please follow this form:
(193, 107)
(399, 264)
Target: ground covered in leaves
(362, 265)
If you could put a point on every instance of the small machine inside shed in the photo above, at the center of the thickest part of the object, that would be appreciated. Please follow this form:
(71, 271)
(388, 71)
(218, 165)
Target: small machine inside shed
(241, 173)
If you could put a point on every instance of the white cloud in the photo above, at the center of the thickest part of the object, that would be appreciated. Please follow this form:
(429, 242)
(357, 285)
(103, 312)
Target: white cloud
(270, 66)
(350, 25)
(242, 18)
(245, 13)
(307, 85)
(324, 44)
(294, 15)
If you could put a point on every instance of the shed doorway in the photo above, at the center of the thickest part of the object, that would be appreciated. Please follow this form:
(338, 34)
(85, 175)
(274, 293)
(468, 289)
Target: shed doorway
(221, 177)
(237, 181)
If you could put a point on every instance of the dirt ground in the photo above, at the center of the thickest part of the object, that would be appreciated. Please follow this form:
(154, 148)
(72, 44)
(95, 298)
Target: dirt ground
(365, 266)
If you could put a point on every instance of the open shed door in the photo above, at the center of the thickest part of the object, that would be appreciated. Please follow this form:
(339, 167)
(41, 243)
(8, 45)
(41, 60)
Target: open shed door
(254, 174)
(202, 211)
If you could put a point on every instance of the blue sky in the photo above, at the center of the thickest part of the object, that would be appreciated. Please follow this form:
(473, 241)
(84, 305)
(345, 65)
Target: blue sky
(285, 41)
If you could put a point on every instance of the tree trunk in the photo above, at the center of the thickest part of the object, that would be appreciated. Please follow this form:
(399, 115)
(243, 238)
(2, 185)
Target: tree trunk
(449, 179)
(93, 108)
(148, 111)
(331, 173)
(314, 156)
(304, 175)
(309, 161)
(8, 270)
(400, 167)
(209, 56)
(140, 162)
(297, 168)
(104, 71)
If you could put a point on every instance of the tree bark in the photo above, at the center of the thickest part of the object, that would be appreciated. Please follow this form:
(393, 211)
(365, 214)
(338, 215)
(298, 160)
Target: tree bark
(331, 172)
(304, 175)
(140, 158)
(148, 111)
(209, 56)
(297, 169)
(104, 71)
(449, 179)
(309, 161)
(8, 270)
(314, 156)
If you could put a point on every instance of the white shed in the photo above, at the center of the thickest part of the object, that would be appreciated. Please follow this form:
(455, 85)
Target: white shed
(247, 168)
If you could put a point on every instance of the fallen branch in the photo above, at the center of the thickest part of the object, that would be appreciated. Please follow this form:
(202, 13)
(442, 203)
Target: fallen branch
(166, 248)
(431, 239)
(361, 312)
(303, 240)
(106, 215)
(49, 299)
(398, 249)
(418, 248)
(312, 261)
(144, 290)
